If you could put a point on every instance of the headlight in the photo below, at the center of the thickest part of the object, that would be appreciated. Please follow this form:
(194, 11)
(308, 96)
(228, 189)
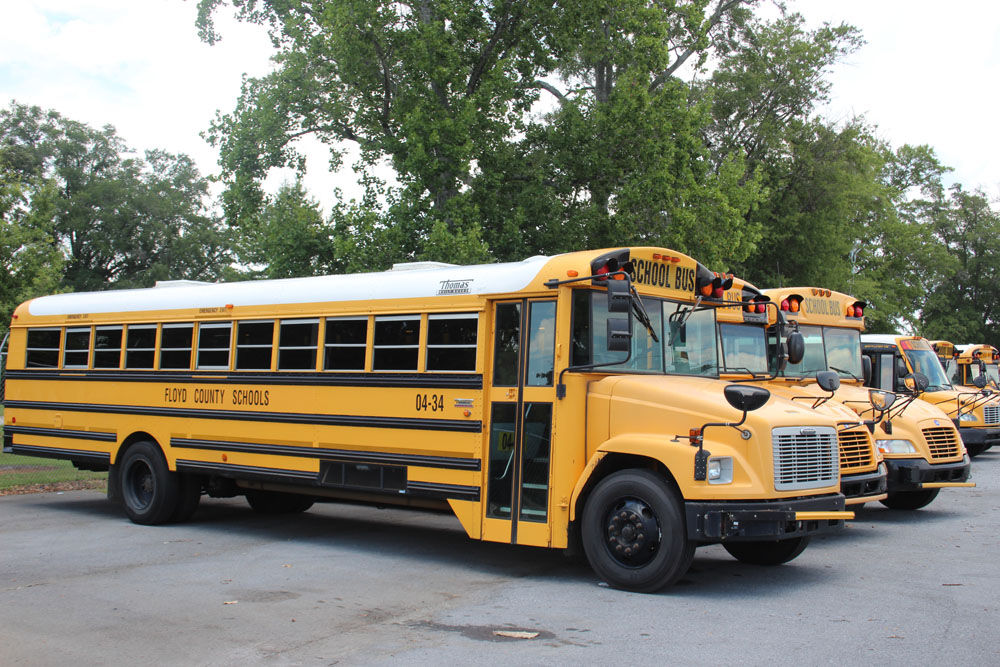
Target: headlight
(720, 470)
(968, 417)
(895, 447)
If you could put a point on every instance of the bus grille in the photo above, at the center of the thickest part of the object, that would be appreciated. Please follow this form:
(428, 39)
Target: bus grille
(943, 442)
(804, 457)
(855, 451)
(991, 414)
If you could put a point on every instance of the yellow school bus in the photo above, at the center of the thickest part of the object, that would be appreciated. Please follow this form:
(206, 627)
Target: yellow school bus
(973, 362)
(922, 449)
(743, 333)
(975, 412)
(947, 354)
(574, 395)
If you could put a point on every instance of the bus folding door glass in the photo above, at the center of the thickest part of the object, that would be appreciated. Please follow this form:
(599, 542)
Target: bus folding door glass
(535, 462)
(507, 344)
(213, 345)
(254, 345)
(451, 342)
(140, 346)
(887, 375)
(77, 350)
(175, 346)
(499, 493)
(541, 344)
(397, 343)
(42, 348)
(108, 347)
(297, 344)
(346, 343)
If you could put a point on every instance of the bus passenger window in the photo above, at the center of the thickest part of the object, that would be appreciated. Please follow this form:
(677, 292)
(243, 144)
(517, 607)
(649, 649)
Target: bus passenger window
(507, 345)
(108, 347)
(297, 343)
(175, 346)
(77, 352)
(213, 345)
(397, 343)
(346, 343)
(451, 342)
(887, 375)
(43, 348)
(140, 346)
(254, 345)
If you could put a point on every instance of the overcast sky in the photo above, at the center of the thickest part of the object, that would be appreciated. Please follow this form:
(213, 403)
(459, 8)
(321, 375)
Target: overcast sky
(928, 74)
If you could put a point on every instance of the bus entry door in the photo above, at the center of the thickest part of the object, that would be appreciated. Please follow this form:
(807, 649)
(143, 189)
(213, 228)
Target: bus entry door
(521, 393)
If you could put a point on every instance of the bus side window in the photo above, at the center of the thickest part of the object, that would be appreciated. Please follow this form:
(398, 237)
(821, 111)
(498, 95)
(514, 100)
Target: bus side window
(451, 342)
(140, 346)
(254, 343)
(297, 345)
(397, 343)
(887, 372)
(43, 348)
(77, 352)
(346, 343)
(175, 346)
(213, 345)
(108, 347)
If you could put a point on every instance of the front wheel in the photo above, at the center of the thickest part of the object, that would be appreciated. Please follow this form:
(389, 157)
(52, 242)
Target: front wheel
(633, 532)
(150, 493)
(910, 500)
(976, 449)
(767, 553)
(273, 502)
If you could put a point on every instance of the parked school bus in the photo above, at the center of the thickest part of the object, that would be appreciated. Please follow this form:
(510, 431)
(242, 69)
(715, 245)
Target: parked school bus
(975, 412)
(743, 334)
(976, 367)
(921, 447)
(947, 354)
(535, 400)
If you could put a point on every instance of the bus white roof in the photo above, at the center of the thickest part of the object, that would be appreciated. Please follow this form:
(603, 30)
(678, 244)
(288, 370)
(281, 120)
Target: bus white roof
(880, 338)
(415, 282)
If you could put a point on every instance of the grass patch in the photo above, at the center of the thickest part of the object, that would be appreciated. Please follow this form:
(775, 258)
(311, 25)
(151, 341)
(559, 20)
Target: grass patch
(23, 473)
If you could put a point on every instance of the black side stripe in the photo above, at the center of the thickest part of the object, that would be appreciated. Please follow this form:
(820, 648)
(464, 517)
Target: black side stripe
(62, 433)
(458, 425)
(424, 380)
(57, 453)
(353, 456)
(421, 489)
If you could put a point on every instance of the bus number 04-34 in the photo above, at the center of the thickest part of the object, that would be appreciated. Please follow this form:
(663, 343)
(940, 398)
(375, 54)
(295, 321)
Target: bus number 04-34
(433, 403)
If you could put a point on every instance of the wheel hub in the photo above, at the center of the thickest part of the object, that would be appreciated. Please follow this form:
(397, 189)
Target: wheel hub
(633, 534)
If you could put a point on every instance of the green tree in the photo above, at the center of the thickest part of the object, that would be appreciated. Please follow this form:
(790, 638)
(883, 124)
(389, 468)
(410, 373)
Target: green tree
(118, 220)
(291, 238)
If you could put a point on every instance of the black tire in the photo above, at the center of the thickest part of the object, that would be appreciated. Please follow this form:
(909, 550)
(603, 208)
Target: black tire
(189, 496)
(767, 553)
(910, 500)
(976, 449)
(273, 502)
(150, 492)
(634, 533)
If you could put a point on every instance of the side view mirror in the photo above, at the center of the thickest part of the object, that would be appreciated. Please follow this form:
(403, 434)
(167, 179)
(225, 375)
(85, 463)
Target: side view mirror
(796, 347)
(866, 368)
(619, 299)
(917, 382)
(828, 381)
(901, 370)
(619, 334)
(881, 400)
(980, 381)
(746, 398)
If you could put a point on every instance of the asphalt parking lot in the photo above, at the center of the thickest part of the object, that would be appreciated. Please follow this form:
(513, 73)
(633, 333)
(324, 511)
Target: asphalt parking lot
(345, 584)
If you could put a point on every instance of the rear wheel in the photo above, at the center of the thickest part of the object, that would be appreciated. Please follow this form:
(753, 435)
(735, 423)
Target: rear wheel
(150, 492)
(910, 500)
(634, 534)
(767, 553)
(273, 502)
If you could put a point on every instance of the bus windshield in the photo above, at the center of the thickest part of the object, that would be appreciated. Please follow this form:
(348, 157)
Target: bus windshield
(926, 362)
(744, 348)
(828, 348)
(683, 349)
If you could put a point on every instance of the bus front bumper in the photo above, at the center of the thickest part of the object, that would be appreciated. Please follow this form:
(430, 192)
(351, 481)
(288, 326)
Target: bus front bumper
(916, 474)
(865, 487)
(983, 438)
(710, 522)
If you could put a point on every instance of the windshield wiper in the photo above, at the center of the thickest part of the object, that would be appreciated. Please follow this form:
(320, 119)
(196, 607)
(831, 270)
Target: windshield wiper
(736, 369)
(841, 370)
(640, 314)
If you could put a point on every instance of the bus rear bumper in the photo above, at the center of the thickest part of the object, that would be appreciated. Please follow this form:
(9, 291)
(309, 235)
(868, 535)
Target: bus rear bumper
(913, 474)
(865, 487)
(710, 522)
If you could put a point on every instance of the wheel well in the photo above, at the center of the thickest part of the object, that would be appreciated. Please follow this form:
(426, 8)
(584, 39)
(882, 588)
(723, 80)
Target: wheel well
(614, 462)
(138, 436)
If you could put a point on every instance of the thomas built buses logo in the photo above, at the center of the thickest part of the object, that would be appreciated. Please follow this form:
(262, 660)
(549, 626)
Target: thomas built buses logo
(454, 287)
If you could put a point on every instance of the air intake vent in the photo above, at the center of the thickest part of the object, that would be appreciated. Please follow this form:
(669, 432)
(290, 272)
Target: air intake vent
(805, 457)
(856, 453)
(991, 414)
(943, 442)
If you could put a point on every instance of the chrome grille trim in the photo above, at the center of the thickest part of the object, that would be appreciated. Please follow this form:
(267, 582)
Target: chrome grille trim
(943, 442)
(805, 457)
(991, 414)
